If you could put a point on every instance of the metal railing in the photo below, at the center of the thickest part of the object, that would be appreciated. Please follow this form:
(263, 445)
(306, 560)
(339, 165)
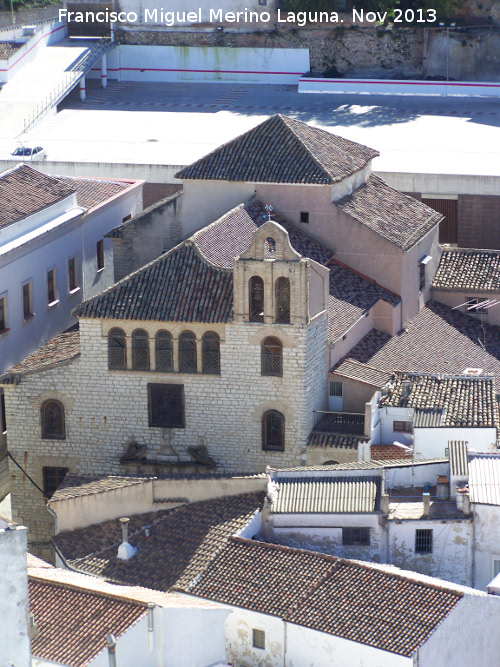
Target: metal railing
(339, 422)
(70, 80)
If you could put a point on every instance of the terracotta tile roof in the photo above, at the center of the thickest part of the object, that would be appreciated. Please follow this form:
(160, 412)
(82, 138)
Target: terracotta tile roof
(364, 603)
(465, 402)
(389, 452)
(400, 219)
(182, 541)
(317, 439)
(319, 495)
(484, 479)
(468, 269)
(91, 192)
(74, 485)
(354, 370)
(59, 350)
(282, 150)
(7, 49)
(73, 623)
(437, 340)
(24, 191)
(179, 286)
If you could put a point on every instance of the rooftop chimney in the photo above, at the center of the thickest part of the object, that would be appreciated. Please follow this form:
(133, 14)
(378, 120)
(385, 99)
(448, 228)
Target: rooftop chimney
(111, 644)
(125, 550)
(406, 387)
(426, 497)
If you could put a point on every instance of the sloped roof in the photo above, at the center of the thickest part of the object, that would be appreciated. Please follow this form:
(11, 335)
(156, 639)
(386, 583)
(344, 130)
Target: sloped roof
(354, 370)
(335, 440)
(468, 269)
(465, 402)
(25, 191)
(400, 219)
(74, 486)
(282, 150)
(484, 479)
(459, 466)
(319, 495)
(388, 610)
(91, 192)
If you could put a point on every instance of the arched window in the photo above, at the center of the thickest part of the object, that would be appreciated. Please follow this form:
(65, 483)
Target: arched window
(52, 416)
(140, 350)
(271, 357)
(282, 288)
(256, 299)
(187, 352)
(164, 352)
(117, 349)
(270, 248)
(273, 430)
(210, 353)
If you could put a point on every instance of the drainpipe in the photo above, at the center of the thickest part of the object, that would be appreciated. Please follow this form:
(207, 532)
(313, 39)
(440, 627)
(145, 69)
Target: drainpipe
(111, 644)
(473, 567)
(284, 643)
(151, 626)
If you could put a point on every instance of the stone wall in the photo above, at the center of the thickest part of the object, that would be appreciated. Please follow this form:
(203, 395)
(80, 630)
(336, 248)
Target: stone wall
(478, 221)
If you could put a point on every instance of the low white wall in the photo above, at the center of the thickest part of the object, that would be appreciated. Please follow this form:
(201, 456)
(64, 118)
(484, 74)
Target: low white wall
(223, 64)
(47, 33)
(410, 475)
(389, 87)
(428, 442)
(486, 543)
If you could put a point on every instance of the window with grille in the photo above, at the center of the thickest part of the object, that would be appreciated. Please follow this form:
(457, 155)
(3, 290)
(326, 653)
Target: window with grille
(187, 352)
(423, 541)
(166, 405)
(3, 314)
(117, 349)
(51, 286)
(52, 417)
(27, 305)
(256, 299)
(402, 427)
(282, 288)
(336, 389)
(140, 350)
(72, 275)
(356, 537)
(210, 353)
(471, 303)
(164, 351)
(272, 357)
(52, 479)
(258, 638)
(273, 431)
(100, 254)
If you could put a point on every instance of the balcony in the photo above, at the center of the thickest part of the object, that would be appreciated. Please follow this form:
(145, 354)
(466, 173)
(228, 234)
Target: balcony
(339, 422)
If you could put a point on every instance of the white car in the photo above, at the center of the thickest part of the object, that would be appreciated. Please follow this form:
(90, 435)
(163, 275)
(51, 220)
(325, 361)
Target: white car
(25, 154)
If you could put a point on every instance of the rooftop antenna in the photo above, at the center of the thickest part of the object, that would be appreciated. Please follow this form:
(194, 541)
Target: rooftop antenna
(269, 212)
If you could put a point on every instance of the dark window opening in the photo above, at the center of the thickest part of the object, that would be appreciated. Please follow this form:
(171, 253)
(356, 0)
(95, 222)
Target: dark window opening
(336, 389)
(272, 357)
(51, 286)
(273, 431)
(258, 636)
(52, 479)
(187, 352)
(256, 299)
(117, 349)
(127, 218)
(270, 248)
(423, 541)
(471, 305)
(73, 280)
(166, 405)
(164, 351)
(282, 289)
(3, 315)
(27, 306)
(100, 255)
(421, 279)
(304, 217)
(52, 416)
(402, 427)
(210, 353)
(3, 414)
(140, 350)
(356, 537)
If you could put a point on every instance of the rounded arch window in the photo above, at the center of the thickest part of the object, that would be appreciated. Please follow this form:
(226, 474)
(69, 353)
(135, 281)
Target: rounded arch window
(164, 357)
(256, 299)
(187, 352)
(271, 357)
(140, 350)
(52, 417)
(282, 300)
(117, 349)
(210, 353)
(273, 431)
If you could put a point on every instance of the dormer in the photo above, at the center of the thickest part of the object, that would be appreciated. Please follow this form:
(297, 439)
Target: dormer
(273, 283)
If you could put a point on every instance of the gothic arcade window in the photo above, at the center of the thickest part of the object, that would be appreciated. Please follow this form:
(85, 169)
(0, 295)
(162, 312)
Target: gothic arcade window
(166, 405)
(52, 418)
(117, 349)
(273, 431)
(282, 288)
(140, 350)
(187, 352)
(256, 299)
(164, 351)
(271, 357)
(210, 353)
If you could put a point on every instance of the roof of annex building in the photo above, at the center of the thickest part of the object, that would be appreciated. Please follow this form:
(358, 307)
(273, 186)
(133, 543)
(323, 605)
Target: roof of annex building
(90, 192)
(438, 340)
(484, 479)
(459, 466)
(282, 150)
(176, 546)
(335, 440)
(400, 219)
(445, 400)
(373, 464)
(354, 370)
(380, 607)
(468, 269)
(25, 191)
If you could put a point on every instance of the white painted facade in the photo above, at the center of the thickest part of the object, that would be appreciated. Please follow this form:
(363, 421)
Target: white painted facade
(14, 646)
(486, 543)
(33, 40)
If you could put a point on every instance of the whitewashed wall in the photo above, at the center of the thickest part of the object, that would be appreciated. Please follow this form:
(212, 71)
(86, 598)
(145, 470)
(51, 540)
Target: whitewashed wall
(239, 639)
(46, 34)
(434, 441)
(409, 475)
(486, 543)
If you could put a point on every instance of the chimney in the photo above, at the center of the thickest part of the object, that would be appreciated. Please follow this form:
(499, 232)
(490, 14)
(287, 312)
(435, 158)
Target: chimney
(426, 497)
(111, 644)
(125, 550)
(364, 451)
(384, 503)
(406, 387)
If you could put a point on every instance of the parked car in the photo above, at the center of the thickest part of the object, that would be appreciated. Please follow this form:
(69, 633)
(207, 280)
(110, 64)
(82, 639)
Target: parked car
(25, 154)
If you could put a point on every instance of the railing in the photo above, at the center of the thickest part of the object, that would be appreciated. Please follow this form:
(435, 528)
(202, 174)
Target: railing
(69, 81)
(339, 422)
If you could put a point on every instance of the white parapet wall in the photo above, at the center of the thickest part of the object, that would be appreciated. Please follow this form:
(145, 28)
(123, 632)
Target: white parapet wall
(390, 87)
(197, 64)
